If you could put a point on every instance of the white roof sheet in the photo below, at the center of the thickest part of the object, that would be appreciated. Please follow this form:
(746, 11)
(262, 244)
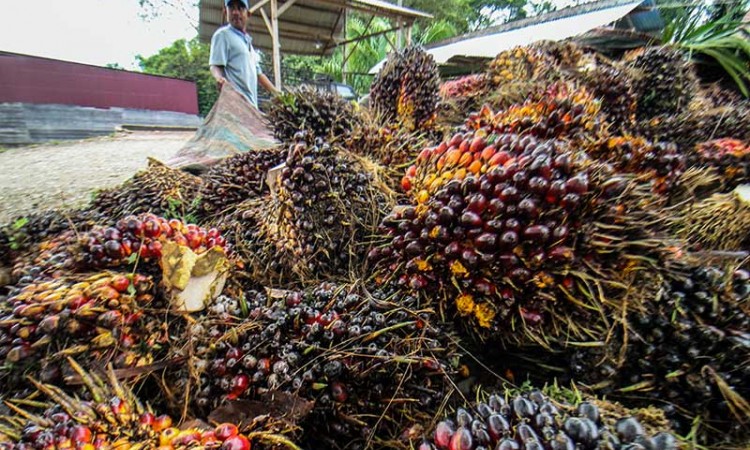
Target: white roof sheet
(555, 26)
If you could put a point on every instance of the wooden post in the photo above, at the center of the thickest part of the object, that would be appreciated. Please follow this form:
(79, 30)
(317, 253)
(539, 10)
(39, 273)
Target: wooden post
(400, 33)
(276, 43)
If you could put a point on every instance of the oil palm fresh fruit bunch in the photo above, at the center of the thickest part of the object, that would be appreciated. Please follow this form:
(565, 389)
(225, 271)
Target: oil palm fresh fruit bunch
(689, 351)
(462, 94)
(39, 226)
(493, 139)
(158, 189)
(691, 128)
(317, 224)
(111, 416)
(390, 145)
(730, 158)
(521, 63)
(466, 86)
(567, 54)
(719, 222)
(659, 161)
(322, 114)
(238, 178)
(499, 248)
(102, 315)
(665, 84)
(534, 421)
(334, 345)
(131, 241)
(406, 90)
(614, 89)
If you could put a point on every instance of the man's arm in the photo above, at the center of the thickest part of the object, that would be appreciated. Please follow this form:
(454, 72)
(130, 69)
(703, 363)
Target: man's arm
(218, 73)
(266, 83)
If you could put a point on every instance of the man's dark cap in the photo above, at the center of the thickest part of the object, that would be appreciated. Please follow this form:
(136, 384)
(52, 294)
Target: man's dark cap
(244, 2)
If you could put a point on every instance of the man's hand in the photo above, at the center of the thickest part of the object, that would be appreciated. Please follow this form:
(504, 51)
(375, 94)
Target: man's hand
(220, 82)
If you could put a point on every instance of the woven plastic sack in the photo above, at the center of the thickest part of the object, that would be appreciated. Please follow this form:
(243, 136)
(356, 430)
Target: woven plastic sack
(233, 126)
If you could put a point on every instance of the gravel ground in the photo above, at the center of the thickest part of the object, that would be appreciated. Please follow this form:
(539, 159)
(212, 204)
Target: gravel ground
(65, 174)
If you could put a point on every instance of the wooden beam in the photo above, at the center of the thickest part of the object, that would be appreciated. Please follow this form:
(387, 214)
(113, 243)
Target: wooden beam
(363, 37)
(286, 6)
(276, 43)
(257, 6)
(268, 23)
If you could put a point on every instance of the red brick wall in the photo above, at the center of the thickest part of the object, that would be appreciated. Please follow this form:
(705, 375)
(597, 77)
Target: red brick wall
(30, 79)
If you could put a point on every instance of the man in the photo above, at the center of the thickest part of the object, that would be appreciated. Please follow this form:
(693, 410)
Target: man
(233, 58)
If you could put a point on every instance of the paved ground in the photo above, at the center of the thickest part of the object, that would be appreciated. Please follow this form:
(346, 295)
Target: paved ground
(49, 176)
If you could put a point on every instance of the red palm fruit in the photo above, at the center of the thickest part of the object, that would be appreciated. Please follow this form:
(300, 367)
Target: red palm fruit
(120, 283)
(118, 406)
(240, 383)
(236, 443)
(113, 249)
(85, 447)
(155, 248)
(488, 153)
(477, 203)
(477, 144)
(471, 219)
(466, 159)
(180, 239)
(406, 184)
(461, 440)
(463, 147)
(443, 434)
(19, 353)
(577, 185)
(531, 317)
(175, 224)
(338, 392)
(109, 319)
(50, 324)
(193, 239)
(537, 233)
(209, 439)
(486, 242)
(226, 431)
(135, 227)
(186, 437)
(161, 423)
(146, 418)
(456, 140)
(152, 228)
(80, 434)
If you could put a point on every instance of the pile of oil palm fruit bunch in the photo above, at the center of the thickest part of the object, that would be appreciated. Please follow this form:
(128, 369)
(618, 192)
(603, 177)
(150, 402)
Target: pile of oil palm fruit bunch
(548, 254)
(307, 109)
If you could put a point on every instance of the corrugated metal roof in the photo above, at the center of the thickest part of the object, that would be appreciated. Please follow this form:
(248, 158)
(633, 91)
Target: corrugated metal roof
(308, 27)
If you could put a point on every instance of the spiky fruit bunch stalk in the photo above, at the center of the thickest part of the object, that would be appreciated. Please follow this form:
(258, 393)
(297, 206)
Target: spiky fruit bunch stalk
(405, 90)
(730, 158)
(238, 178)
(347, 352)
(327, 203)
(111, 417)
(533, 421)
(665, 83)
(660, 162)
(322, 114)
(521, 63)
(102, 315)
(720, 222)
(158, 189)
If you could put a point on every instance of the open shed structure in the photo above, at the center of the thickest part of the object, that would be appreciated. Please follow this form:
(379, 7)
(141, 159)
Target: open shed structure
(306, 27)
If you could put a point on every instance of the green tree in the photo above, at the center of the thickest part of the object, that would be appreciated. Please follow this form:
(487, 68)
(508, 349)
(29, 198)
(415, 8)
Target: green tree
(187, 60)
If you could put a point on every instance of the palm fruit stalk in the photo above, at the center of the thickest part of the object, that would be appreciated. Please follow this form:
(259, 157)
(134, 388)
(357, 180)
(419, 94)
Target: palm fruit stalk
(236, 179)
(502, 225)
(720, 222)
(533, 421)
(321, 114)
(317, 224)
(660, 161)
(111, 416)
(104, 316)
(665, 83)
(357, 357)
(567, 54)
(158, 189)
(405, 91)
(132, 241)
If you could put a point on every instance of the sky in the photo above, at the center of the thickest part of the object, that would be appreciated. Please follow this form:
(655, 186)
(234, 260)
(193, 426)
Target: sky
(94, 32)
